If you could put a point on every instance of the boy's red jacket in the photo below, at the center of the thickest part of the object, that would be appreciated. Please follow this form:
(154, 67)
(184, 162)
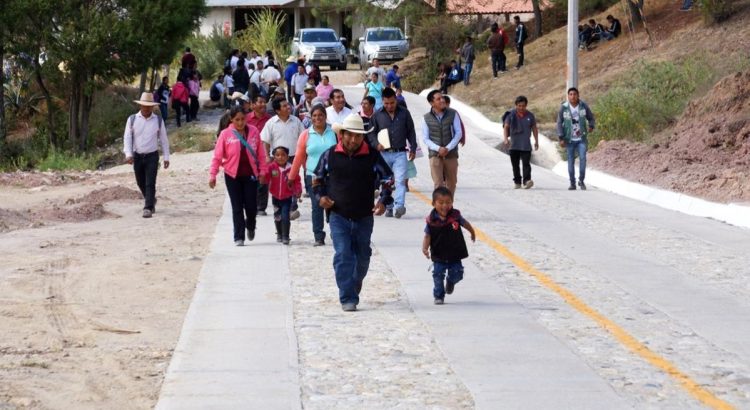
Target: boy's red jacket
(278, 178)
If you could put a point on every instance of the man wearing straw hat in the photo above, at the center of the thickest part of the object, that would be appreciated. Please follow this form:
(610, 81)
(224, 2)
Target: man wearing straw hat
(143, 132)
(343, 183)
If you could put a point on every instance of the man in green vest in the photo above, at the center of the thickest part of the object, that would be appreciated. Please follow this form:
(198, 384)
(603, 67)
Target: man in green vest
(574, 123)
(441, 132)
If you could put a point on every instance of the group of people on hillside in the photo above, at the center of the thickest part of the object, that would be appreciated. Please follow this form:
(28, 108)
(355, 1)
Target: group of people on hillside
(592, 32)
(346, 156)
(184, 95)
(459, 71)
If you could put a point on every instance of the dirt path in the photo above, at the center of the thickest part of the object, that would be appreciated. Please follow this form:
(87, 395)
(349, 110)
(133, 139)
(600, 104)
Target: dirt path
(92, 296)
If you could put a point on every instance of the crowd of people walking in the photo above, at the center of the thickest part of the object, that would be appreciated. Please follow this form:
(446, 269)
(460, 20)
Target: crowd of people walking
(355, 162)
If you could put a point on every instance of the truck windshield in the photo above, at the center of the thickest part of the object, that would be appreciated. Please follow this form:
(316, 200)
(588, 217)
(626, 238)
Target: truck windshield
(384, 35)
(319, 37)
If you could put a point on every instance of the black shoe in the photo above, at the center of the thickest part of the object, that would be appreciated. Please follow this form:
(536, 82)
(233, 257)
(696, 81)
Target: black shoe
(449, 286)
(278, 231)
(582, 185)
(319, 242)
(572, 187)
(285, 227)
(262, 213)
(250, 234)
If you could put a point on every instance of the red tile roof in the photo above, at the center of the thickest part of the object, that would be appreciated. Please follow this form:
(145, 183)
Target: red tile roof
(486, 6)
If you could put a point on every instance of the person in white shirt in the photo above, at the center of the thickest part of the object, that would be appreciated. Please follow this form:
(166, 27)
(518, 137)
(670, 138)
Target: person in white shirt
(338, 110)
(233, 58)
(256, 74)
(270, 75)
(376, 68)
(143, 132)
(299, 81)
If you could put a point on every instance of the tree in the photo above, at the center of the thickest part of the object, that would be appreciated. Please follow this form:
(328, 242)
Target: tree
(11, 12)
(537, 18)
(100, 41)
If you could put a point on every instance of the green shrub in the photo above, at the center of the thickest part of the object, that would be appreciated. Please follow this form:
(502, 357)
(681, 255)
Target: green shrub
(110, 112)
(648, 99)
(192, 139)
(716, 11)
(211, 51)
(57, 160)
(264, 32)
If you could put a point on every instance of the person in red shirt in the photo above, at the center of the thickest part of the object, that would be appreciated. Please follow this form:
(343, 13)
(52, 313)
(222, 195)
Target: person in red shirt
(239, 151)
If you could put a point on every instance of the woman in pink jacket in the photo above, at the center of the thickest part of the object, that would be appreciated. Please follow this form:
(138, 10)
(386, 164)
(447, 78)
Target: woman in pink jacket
(240, 151)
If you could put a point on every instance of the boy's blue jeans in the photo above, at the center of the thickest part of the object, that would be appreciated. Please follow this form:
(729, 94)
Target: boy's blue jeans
(281, 209)
(351, 242)
(455, 274)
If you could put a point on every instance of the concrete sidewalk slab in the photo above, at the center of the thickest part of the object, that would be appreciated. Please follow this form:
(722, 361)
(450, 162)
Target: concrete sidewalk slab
(504, 356)
(237, 348)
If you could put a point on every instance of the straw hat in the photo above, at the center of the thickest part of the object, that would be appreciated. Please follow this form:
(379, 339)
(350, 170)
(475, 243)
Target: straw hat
(291, 59)
(352, 123)
(236, 95)
(147, 99)
(309, 87)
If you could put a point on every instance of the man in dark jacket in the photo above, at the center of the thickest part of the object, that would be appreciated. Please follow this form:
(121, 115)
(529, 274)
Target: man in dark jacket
(521, 36)
(614, 29)
(344, 180)
(496, 44)
(468, 55)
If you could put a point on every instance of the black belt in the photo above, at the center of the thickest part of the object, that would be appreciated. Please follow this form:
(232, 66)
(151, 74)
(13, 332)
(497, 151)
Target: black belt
(395, 150)
(138, 154)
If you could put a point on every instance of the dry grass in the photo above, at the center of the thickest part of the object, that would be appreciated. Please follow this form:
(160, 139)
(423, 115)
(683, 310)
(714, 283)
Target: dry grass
(676, 35)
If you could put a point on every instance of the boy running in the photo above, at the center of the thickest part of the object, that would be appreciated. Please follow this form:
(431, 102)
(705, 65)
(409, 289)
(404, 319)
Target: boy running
(444, 243)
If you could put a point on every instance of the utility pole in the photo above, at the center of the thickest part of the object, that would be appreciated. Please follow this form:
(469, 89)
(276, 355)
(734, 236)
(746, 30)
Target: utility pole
(572, 68)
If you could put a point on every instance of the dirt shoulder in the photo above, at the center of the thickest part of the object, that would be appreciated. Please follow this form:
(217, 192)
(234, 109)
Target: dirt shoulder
(92, 295)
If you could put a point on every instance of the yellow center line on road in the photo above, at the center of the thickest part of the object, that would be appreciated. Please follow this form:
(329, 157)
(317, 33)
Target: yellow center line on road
(627, 340)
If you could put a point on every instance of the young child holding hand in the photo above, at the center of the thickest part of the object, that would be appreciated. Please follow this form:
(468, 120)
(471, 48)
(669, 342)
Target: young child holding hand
(444, 243)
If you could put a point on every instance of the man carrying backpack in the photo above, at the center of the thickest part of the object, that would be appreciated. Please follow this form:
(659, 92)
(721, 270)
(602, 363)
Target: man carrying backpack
(143, 132)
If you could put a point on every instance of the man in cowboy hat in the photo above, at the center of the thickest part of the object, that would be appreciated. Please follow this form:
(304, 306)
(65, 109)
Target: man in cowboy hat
(143, 132)
(343, 183)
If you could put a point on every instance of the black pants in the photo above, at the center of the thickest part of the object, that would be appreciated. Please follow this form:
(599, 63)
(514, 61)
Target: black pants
(262, 197)
(525, 158)
(179, 108)
(243, 193)
(519, 48)
(498, 61)
(194, 105)
(445, 84)
(145, 167)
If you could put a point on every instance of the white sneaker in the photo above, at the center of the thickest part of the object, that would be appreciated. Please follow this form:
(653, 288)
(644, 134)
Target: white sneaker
(239, 242)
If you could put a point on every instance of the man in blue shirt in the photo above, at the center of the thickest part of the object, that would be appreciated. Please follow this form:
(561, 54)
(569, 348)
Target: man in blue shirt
(392, 79)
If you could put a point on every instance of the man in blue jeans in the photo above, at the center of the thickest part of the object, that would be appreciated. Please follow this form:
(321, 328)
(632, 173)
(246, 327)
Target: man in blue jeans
(574, 122)
(397, 122)
(344, 181)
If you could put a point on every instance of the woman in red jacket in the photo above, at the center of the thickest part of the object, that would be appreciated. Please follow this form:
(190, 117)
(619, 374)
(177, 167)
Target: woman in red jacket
(240, 151)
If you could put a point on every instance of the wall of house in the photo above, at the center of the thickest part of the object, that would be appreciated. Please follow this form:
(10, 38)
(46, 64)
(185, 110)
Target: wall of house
(221, 16)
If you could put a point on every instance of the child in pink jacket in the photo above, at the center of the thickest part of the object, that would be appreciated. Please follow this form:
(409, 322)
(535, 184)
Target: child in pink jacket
(283, 192)
(240, 151)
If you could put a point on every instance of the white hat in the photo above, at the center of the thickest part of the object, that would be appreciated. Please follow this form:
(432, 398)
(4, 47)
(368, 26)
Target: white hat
(236, 95)
(291, 59)
(352, 123)
(147, 99)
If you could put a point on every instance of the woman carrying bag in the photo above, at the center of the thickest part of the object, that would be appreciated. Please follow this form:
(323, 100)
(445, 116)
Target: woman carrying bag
(239, 151)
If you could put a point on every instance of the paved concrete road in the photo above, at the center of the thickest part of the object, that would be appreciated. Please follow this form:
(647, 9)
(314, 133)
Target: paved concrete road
(570, 300)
